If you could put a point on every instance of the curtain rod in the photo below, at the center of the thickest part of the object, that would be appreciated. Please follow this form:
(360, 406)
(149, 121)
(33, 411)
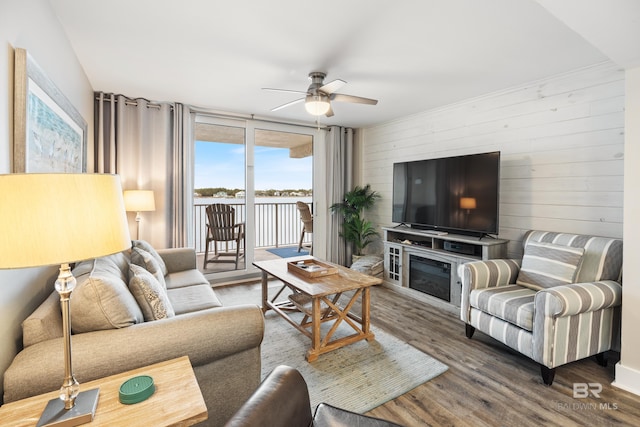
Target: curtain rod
(210, 112)
(132, 101)
(226, 115)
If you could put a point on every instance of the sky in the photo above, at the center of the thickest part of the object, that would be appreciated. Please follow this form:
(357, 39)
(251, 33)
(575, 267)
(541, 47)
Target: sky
(222, 165)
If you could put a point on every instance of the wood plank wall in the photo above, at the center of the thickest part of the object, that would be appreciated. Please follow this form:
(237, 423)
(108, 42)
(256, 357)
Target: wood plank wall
(561, 141)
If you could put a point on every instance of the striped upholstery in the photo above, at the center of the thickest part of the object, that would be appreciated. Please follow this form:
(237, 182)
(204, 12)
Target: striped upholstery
(555, 325)
(545, 265)
(580, 297)
(576, 321)
(602, 259)
(485, 274)
(505, 332)
(512, 303)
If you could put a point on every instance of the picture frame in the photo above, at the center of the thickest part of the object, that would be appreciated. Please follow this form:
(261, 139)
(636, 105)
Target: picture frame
(50, 135)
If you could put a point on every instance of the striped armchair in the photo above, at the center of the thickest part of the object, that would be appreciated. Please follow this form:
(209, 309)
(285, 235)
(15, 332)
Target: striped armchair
(558, 304)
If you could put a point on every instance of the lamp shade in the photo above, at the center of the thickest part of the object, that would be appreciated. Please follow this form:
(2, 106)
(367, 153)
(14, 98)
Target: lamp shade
(139, 201)
(58, 218)
(467, 203)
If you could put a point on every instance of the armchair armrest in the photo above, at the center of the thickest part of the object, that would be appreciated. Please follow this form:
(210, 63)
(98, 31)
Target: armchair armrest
(281, 400)
(238, 225)
(488, 274)
(484, 274)
(574, 321)
(577, 298)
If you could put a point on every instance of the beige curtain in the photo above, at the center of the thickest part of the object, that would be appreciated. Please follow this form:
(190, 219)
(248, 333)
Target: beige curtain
(147, 144)
(339, 146)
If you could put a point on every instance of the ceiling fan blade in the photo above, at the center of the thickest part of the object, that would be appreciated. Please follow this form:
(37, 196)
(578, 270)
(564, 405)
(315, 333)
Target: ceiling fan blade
(288, 104)
(332, 86)
(354, 99)
(284, 90)
(330, 112)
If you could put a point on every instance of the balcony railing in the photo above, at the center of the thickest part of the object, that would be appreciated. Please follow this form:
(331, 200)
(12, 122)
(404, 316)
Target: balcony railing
(276, 224)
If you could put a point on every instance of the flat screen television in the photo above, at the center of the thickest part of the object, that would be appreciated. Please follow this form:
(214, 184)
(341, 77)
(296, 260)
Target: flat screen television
(452, 194)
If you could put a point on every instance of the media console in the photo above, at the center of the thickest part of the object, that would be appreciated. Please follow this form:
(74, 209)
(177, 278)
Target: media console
(428, 261)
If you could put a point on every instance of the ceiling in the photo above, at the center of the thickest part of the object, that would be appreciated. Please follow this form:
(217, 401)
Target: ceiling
(411, 55)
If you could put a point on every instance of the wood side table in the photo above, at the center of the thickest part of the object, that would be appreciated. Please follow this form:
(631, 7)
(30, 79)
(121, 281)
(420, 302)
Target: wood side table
(177, 400)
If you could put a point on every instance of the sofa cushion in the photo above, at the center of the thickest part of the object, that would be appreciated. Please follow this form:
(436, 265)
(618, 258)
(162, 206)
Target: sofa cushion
(145, 246)
(602, 259)
(117, 264)
(193, 298)
(44, 323)
(545, 265)
(147, 261)
(512, 303)
(102, 299)
(150, 294)
(184, 278)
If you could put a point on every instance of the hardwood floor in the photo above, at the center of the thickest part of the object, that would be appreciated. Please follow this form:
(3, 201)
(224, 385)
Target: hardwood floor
(487, 383)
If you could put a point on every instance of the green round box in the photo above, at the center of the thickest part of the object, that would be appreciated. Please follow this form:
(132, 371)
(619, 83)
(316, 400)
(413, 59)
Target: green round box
(136, 389)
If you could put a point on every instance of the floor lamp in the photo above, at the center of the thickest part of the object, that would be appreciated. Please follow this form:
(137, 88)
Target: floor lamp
(139, 201)
(49, 219)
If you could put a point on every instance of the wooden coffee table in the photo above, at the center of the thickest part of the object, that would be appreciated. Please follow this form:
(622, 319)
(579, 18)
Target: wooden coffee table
(317, 298)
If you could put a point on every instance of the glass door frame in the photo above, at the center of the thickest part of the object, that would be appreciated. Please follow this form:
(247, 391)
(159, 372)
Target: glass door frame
(250, 126)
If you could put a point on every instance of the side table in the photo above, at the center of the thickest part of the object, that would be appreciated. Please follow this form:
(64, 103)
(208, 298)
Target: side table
(177, 400)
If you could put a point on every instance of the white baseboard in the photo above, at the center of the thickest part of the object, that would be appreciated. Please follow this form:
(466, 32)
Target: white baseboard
(627, 379)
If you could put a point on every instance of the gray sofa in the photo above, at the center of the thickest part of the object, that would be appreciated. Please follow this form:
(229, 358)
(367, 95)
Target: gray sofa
(115, 329)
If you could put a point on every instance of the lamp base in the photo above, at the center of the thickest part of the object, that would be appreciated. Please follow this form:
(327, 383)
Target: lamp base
(82, 412)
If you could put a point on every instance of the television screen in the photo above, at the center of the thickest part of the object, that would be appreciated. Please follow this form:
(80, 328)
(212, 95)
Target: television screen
(459, 194)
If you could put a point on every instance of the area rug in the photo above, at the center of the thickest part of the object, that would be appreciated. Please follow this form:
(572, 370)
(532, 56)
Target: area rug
(358, 377)
(288, 252)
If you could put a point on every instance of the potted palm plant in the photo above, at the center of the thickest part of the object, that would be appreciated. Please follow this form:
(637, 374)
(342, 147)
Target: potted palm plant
(355, 229)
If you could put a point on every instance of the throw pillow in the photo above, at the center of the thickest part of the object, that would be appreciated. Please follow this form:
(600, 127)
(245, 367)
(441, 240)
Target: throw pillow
(145, 246)
(150, 295)
(545, 265)
(102, 300)
(147, 261)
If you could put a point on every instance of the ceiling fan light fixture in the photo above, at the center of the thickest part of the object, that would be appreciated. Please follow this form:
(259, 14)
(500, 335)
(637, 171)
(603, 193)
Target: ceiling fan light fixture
(317, 105)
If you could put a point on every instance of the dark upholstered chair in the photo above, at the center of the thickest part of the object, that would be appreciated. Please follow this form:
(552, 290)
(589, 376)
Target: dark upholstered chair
(282, 400)
(222, 228)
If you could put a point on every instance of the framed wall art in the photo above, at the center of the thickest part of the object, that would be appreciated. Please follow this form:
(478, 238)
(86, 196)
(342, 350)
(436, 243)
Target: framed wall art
(49, 133)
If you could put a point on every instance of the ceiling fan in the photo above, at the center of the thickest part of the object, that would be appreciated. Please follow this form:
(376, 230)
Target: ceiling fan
(318, 97)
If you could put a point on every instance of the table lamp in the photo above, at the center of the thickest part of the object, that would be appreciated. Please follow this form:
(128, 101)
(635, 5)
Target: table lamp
(468, 203)
(139, 201)
(48, 219)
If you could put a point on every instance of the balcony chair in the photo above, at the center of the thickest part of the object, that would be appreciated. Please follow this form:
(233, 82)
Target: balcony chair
(560, 303)
(222, 228)
(282, 400)
(307, 223)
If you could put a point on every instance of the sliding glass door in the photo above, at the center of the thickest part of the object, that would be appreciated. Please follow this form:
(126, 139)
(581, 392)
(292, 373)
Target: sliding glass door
(219, 177)
(261, 170)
